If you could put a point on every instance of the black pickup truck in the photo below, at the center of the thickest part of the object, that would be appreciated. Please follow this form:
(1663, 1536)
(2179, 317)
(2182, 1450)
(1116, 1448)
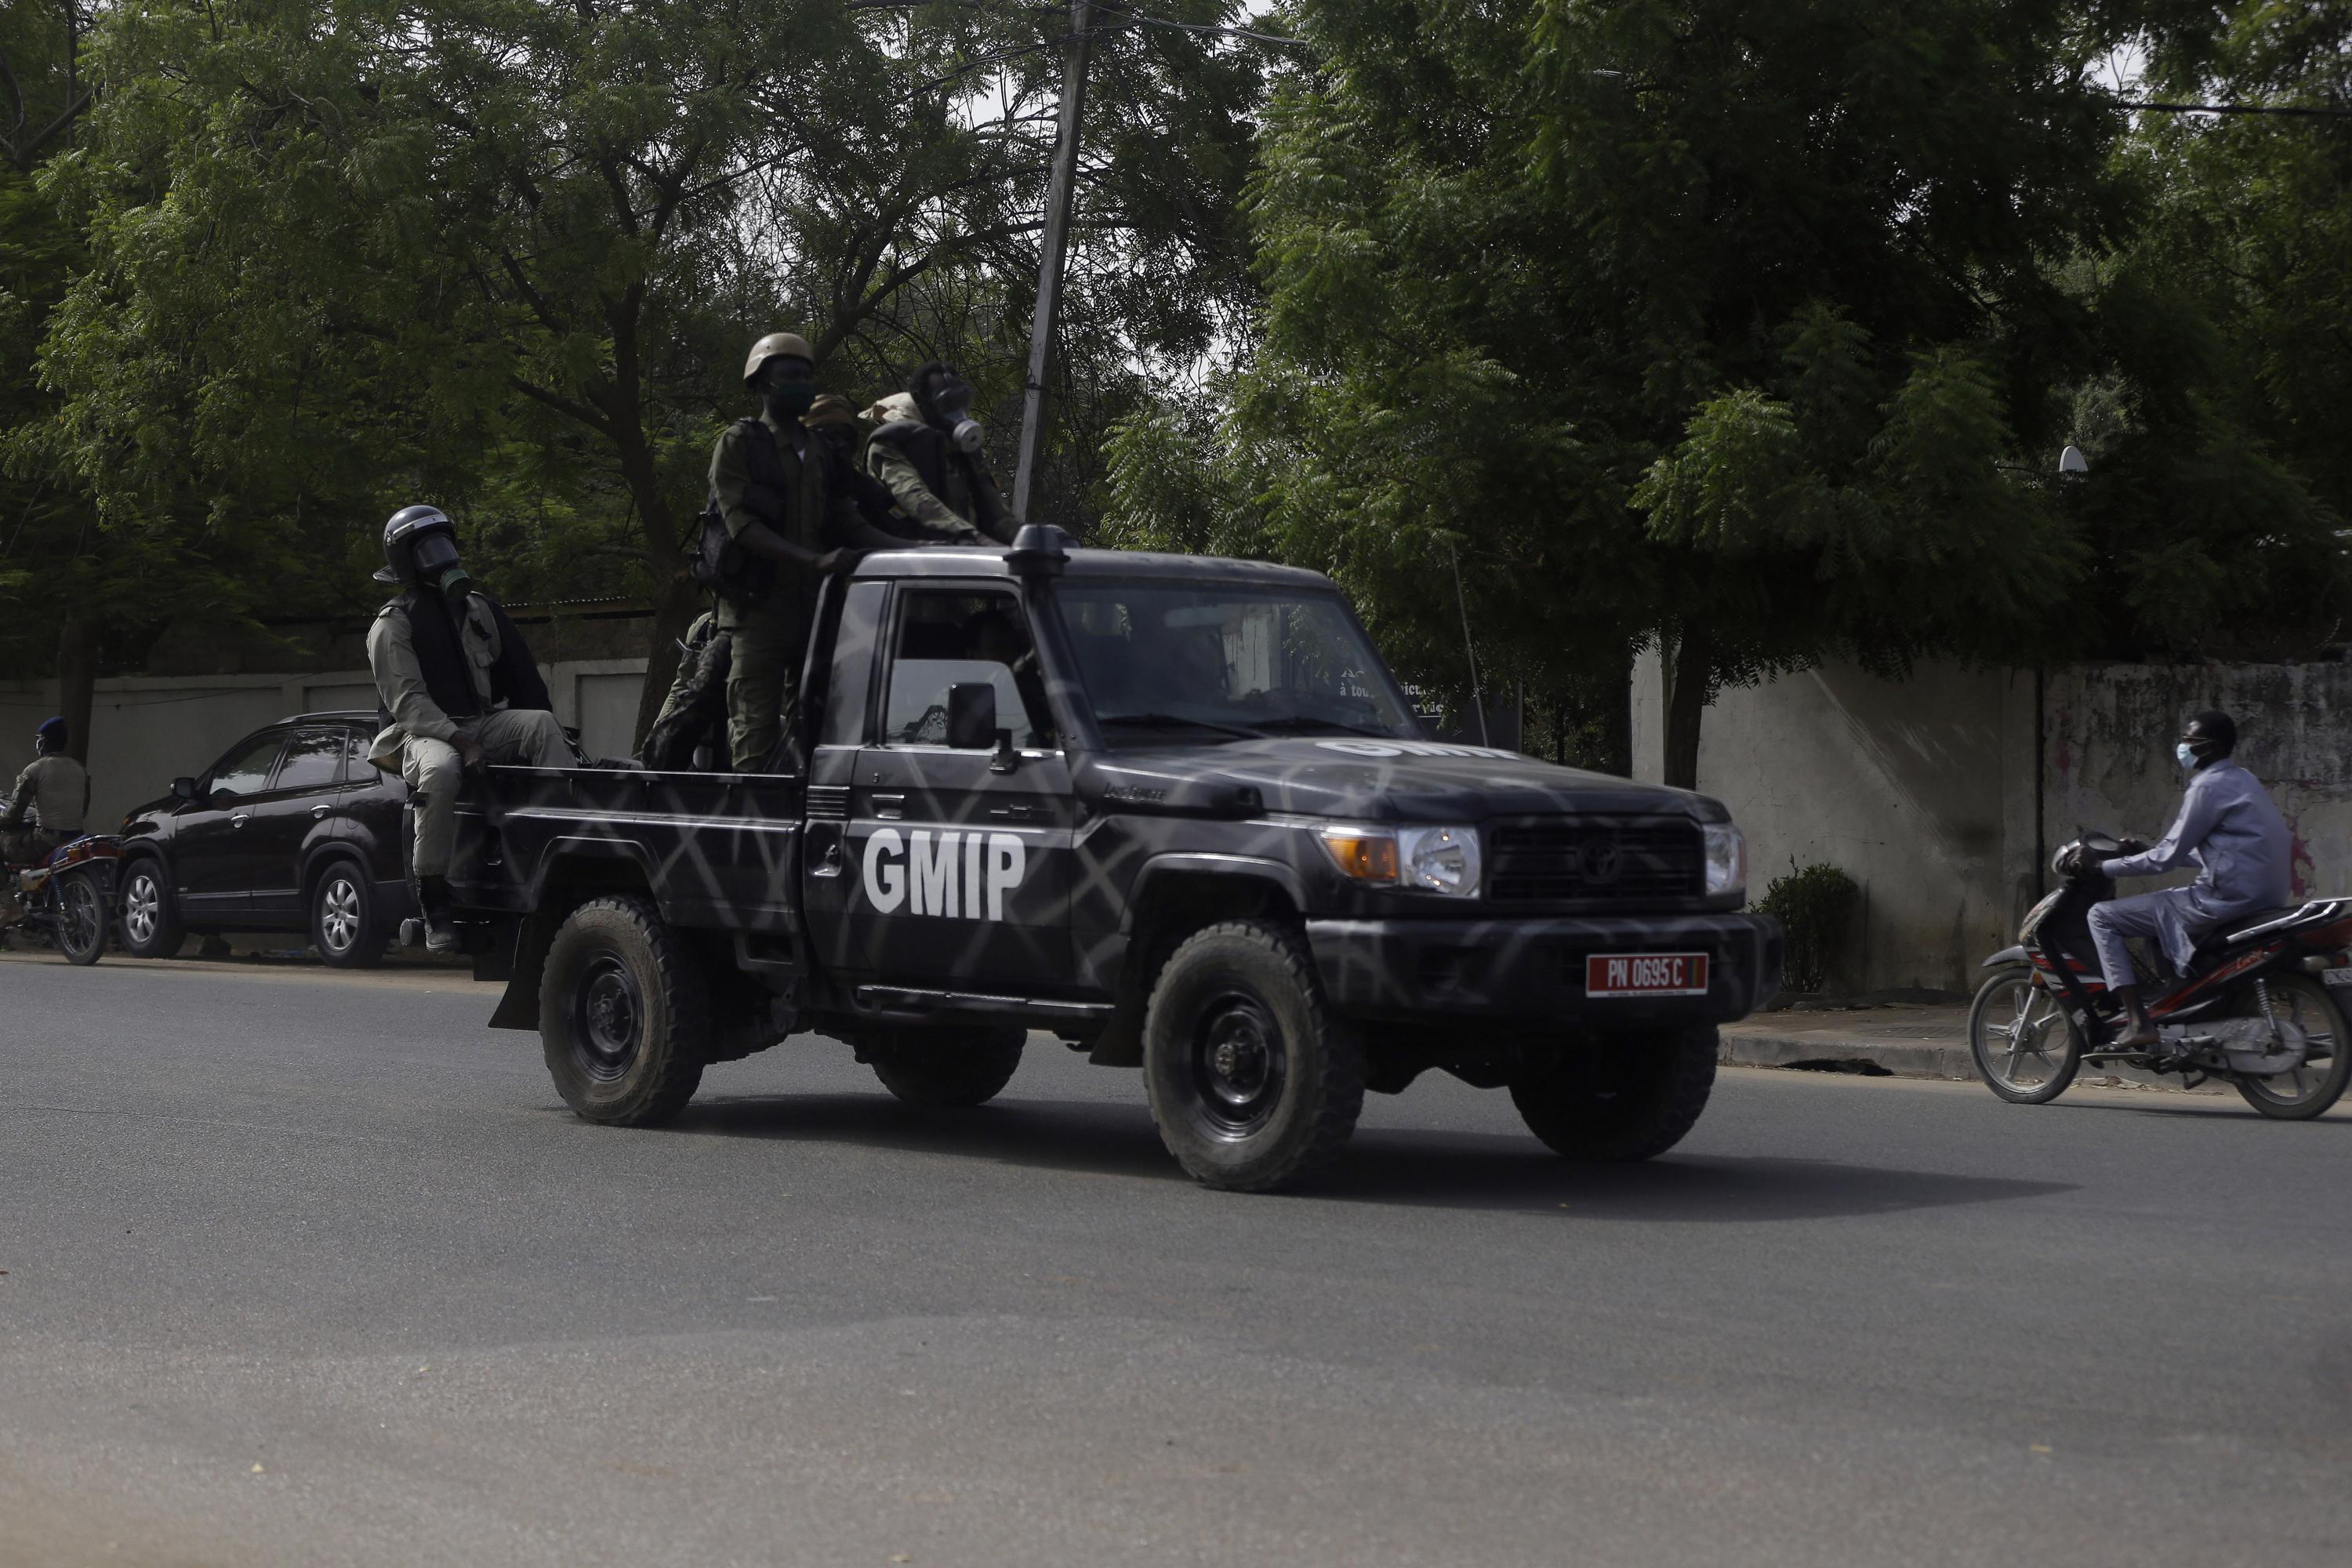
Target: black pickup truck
(1173, 810)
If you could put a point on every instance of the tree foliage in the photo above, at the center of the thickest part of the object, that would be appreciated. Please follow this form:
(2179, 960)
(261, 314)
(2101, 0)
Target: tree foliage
(508, 256)
(1746, 328)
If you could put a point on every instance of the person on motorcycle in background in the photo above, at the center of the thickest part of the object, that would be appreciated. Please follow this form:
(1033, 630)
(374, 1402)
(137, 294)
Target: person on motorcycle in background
(48, 807)
(2228, 827)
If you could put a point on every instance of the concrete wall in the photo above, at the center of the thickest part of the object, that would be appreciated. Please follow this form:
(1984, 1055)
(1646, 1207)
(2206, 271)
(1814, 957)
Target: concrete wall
(147, 730)
(1921, 791)
(1924, 791)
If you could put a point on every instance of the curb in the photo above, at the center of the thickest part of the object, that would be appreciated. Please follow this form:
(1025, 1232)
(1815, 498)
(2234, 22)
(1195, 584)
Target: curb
(1890, 1059)
(1894, 1058)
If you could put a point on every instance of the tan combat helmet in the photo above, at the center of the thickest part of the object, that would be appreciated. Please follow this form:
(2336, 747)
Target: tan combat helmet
(775, 345)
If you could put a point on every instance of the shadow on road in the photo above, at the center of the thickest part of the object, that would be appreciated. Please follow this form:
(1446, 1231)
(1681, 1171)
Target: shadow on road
(1469, 1170)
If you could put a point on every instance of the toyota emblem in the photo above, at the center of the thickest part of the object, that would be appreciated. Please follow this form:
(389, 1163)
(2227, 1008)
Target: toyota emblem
(1600, 860)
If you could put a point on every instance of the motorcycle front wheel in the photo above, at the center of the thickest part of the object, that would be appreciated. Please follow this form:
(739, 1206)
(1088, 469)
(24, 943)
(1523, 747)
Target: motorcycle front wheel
(2025, 1049)
(2308, 1090)
(81, 919)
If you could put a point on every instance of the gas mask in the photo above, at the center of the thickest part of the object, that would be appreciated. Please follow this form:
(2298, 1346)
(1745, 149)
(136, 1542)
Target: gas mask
(436, 565)
(952, 398)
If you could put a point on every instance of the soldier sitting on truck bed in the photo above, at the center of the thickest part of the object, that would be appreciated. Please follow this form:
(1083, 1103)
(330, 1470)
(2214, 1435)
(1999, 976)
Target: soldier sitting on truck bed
(927, 452)
(457, 687)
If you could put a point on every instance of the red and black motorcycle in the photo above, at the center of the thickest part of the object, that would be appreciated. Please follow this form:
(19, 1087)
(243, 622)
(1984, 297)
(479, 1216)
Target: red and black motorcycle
(68, 897)
(2256, 1008)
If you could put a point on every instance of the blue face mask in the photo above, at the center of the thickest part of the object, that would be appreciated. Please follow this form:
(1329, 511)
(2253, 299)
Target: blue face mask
(2187, 757)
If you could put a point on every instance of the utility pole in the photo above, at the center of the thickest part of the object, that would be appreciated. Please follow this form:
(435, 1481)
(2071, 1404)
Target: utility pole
(1061, 192)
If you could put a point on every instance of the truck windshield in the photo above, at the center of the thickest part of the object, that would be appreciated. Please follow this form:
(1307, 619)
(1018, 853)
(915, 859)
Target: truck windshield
(1209, 662)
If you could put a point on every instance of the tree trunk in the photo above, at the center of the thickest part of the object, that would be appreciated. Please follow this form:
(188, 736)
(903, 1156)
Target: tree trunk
(1686, 705)
(1617, 721)
(77, 679)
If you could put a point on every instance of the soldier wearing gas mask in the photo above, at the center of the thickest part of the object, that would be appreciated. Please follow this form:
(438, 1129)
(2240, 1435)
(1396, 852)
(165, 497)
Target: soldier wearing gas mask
(927, 454)
(456, 688)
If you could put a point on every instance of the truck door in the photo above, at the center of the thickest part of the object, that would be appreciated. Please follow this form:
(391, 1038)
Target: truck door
(960, 859)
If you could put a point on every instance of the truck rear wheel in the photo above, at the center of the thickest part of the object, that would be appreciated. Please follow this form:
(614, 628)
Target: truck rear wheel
(623, 1014)
(1254, 1081)
(1621, 1097)
(948, 1068)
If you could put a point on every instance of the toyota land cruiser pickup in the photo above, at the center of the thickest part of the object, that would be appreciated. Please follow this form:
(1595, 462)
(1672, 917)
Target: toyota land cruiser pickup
(1171, 810)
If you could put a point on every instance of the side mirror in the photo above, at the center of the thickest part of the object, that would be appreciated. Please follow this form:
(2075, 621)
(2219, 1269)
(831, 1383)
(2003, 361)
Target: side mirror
(971, 716)
(184, 789)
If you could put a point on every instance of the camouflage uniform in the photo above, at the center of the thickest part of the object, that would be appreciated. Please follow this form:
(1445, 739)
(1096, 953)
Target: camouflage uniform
(947, 514)
(771, 637)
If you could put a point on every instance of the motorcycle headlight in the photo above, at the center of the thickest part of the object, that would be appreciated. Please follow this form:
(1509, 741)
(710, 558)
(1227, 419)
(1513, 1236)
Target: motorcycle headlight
(1442, 860)
(1726, 859)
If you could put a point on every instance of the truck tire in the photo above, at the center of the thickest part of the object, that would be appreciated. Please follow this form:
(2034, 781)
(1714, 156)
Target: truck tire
(948, 1068)
(1254, 1082)
(1620, 1097)
(623, 1013)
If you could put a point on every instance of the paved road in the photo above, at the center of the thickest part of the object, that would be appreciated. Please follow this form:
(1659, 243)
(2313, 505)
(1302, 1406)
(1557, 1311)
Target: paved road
(305, 1270)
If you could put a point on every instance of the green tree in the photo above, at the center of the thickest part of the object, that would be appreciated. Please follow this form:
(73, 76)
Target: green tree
(509, 255)
(1741, 327)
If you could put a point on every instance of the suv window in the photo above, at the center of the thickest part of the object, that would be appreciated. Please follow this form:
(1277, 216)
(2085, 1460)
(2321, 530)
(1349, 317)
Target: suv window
(313, 760)
(949, 639)
(245, 770)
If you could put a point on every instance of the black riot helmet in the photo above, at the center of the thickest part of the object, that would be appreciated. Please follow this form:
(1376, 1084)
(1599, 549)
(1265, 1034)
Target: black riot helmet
(944, 400)
(2209, 736)
(420, 546)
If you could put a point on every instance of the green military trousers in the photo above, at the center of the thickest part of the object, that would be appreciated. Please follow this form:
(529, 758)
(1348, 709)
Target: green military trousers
(771, 642)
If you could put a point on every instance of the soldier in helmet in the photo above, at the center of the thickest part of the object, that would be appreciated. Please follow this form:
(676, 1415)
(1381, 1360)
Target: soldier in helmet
(926, 454)
(457, 687)
(786, 502)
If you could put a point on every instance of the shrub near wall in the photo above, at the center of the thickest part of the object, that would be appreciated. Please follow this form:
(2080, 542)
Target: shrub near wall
(1815, 907)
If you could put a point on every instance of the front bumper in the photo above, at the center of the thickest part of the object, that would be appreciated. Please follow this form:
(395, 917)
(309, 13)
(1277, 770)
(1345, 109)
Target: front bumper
(1531, 971)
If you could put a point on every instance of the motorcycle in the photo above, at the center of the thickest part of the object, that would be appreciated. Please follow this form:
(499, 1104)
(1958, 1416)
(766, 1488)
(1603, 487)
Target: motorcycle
(70, 896)
(2255, 1010)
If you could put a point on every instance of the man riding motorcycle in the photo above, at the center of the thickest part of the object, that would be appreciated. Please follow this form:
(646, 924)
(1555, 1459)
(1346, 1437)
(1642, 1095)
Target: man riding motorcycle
(2230, 827)
(53, 793)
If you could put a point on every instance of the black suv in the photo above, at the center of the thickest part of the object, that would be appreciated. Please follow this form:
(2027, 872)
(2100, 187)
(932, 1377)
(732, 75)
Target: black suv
(293, 829)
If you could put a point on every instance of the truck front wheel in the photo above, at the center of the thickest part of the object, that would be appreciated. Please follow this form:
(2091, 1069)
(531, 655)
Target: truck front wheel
(947, 1067)
(1254, 1081)
(1620, 1097)
(622, 1015)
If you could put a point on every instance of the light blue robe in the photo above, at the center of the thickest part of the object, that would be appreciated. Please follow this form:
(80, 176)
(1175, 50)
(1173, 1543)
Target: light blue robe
(2230, 827)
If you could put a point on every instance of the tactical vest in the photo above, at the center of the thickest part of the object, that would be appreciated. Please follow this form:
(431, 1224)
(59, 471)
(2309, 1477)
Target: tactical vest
(442, 659)
(952, 476)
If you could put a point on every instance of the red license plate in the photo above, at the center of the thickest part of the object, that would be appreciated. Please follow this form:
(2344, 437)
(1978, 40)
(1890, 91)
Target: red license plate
(1645, 975)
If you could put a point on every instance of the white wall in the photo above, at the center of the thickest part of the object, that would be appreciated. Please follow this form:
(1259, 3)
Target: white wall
(1920, 791)
(1923, 790)
(145, 730)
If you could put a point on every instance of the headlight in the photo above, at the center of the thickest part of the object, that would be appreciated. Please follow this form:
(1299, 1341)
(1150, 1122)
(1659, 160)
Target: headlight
(1726, 859)
(1442, 860)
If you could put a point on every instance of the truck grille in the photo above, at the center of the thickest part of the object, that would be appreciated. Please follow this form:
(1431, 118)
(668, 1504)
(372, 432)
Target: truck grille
(1585, 857)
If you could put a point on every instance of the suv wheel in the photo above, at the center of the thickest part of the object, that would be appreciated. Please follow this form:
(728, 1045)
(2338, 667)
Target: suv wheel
(1620, 1097)
(150, 917)
(623, 1013)
(345, 925)
(947, 1067)
(1254, 1081)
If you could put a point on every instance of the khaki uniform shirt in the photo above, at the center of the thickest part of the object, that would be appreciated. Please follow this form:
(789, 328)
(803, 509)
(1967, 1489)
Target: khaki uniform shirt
(400, 679)
(54, 791)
